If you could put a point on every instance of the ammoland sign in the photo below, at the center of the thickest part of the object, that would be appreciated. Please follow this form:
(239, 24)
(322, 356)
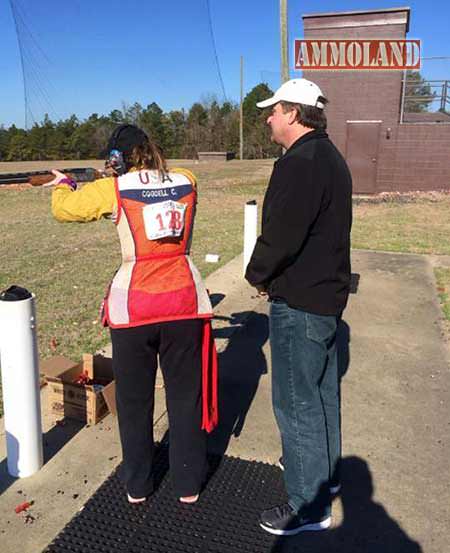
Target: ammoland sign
(357, 54)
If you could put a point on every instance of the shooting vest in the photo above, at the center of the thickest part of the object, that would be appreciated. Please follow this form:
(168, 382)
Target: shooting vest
(157, 281)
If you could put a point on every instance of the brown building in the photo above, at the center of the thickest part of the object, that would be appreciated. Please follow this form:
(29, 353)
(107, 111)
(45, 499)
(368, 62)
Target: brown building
(364, 114)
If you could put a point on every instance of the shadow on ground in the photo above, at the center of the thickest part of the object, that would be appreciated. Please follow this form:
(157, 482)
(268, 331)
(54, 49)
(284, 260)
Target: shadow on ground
(53, 441)
(241, 366)
(366, 528)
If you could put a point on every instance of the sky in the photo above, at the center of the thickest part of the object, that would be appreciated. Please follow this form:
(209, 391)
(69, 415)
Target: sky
(93, 56)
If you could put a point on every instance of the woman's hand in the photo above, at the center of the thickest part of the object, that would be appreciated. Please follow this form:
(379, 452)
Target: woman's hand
(61, 178)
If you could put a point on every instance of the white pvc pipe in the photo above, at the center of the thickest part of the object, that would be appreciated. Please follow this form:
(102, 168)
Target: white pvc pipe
(21, 390)
(250, 230)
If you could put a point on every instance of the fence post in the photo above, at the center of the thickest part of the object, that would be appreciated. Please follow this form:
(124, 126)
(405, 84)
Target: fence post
(402, 102)
(444, 96)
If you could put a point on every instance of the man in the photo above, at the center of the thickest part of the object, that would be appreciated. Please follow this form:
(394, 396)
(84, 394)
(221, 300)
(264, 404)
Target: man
(302, 262)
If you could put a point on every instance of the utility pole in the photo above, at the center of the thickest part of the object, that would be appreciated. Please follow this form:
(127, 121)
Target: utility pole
(284, 41)
(241, 114)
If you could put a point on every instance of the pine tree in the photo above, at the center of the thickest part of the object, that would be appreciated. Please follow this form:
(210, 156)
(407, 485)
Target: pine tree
(418, 94)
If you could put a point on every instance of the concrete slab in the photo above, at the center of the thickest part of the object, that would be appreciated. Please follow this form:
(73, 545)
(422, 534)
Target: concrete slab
(396, 394)
(395, 388)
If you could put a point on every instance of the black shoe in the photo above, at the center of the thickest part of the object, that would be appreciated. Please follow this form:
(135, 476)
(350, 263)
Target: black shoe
(335, 487)
(284, 521)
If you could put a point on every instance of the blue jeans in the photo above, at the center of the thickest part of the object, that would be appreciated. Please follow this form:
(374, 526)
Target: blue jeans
(306, 402)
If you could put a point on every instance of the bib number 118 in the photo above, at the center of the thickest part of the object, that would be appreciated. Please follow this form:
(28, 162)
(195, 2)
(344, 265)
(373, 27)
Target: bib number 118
(165, 219)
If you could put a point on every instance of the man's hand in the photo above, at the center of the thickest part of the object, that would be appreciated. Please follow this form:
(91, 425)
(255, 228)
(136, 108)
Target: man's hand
(261, 290)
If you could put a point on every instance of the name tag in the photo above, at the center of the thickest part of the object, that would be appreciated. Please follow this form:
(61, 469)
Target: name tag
(164, 219)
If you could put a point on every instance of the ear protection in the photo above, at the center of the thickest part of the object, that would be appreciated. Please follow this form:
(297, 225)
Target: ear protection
(116, 162)
(115, 158)
(112, 143)
(121, 144)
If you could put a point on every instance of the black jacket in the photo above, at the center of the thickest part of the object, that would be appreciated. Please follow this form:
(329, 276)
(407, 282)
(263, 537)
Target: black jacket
(303, 253)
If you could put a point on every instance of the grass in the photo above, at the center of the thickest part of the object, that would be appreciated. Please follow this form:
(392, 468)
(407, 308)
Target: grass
(417, 227)
(68, 266)
(443, 287)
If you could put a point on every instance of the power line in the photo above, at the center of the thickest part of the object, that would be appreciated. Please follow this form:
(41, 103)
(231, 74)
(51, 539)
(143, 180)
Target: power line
(19, 9)
(13, 10)
(33, 74)
(214, 49)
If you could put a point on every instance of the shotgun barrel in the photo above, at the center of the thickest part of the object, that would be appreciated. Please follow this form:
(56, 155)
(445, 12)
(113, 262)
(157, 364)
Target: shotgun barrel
(37, 178)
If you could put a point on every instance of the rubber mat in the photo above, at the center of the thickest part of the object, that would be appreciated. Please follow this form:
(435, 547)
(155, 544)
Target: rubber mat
(225, 519)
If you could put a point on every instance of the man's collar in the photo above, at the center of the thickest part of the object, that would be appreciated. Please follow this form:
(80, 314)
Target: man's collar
(312, 134)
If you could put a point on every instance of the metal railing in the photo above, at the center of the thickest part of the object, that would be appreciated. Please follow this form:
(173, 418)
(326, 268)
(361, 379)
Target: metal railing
(427, 99)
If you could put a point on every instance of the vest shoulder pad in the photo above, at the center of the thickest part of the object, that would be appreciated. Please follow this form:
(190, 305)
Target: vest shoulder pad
(186, 173)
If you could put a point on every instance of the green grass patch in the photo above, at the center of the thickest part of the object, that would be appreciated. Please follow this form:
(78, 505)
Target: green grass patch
(417, 227)
(443, 288)
(69, 266)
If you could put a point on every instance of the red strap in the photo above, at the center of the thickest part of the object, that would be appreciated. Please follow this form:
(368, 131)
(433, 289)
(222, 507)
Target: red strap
(210, 407)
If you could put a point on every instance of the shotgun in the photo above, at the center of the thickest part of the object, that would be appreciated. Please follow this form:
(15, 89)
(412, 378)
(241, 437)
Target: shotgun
(38, 178)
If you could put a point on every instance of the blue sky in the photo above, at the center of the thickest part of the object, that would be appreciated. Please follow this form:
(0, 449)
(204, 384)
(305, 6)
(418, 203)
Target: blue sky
(90, 56)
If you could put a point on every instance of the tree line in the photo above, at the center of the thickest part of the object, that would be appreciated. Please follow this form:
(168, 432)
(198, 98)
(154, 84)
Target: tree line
(207, 126)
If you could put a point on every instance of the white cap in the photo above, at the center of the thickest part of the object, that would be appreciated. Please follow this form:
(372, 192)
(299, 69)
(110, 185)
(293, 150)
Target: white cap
(296, 91)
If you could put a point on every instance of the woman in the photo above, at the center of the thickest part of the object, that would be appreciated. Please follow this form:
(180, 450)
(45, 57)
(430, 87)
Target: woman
(156, 305)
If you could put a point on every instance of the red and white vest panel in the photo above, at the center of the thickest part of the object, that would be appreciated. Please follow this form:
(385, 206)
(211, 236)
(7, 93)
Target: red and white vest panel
(157, 281)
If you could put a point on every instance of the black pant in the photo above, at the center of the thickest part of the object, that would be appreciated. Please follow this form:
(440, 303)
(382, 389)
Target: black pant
(135, 350)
